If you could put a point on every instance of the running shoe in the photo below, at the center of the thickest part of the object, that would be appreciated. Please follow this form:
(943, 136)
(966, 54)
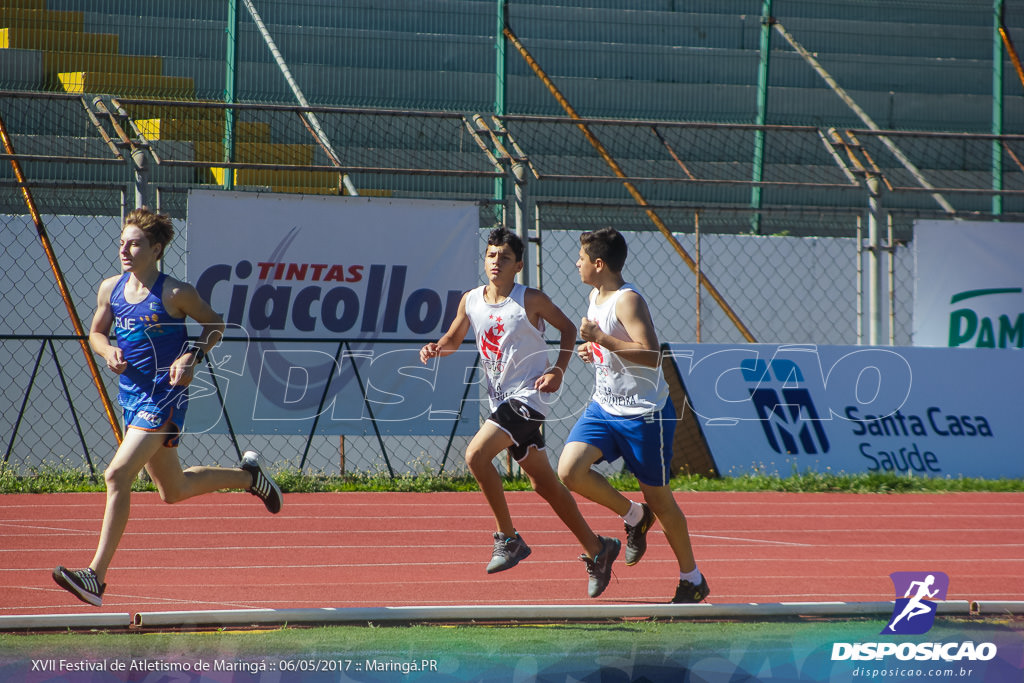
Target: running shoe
(688, 593)
(600, 567)
(263, 487)
(507, 552)
(636, 536)
(82, 583)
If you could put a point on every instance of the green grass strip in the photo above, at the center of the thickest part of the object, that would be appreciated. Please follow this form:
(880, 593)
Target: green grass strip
(55, 480)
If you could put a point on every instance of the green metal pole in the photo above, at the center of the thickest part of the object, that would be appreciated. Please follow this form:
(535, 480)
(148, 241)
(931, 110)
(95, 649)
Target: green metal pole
(997, 106)
(500, 73)
(231, 58)
(762, 115)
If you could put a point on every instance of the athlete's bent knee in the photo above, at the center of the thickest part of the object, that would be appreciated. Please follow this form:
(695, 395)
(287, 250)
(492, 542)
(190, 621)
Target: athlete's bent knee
(171, 496)
(476, 458)
(118, 479)
(569, 474)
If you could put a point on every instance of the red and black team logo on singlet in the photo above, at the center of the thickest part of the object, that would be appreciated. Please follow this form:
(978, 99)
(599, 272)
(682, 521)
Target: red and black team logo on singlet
(490, 340)
(599, 361)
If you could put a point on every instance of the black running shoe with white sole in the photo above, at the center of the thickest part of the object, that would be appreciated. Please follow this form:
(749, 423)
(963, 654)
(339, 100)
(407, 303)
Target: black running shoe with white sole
(636, 536)
(686, 592)
(263, 487)
(82, 583)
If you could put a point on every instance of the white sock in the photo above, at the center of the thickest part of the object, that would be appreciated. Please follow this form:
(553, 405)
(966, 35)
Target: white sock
(635, 514)
(693, 577)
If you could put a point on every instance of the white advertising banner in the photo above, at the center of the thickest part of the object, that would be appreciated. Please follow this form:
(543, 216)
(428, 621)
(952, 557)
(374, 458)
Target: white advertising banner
(340, 293)
(969, 284)
(791, 408)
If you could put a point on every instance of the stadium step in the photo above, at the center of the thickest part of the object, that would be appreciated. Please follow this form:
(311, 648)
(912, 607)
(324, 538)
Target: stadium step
(257, 153)
(26, 4)
(201, 130)
(182, 115)
(302, 182)
(315, 182)
(62, 41)
(57, 62)
(252, 145)
(147, 85)
(37, 17)
(77, 61)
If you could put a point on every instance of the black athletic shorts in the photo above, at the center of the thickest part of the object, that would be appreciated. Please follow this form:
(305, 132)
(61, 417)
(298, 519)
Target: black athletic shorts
(522, 423)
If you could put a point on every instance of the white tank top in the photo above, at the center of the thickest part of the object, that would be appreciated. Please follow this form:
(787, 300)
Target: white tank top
(622, 388)
(513, 353)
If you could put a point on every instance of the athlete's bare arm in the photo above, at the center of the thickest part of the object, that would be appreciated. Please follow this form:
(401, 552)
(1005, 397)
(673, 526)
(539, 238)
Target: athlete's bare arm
(99, 330)
(449, 343)
(540, 306)
(182, 300)
(632, 312)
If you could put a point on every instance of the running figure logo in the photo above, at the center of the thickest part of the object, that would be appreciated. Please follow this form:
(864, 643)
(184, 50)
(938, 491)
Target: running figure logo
(914, 613)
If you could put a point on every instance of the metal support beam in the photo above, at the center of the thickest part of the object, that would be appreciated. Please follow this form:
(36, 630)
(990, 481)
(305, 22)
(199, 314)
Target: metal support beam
(868, 121)
(314, 122)
(762, 115)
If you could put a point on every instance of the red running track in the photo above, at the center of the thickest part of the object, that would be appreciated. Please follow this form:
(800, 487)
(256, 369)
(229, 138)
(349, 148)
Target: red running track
(223, 551)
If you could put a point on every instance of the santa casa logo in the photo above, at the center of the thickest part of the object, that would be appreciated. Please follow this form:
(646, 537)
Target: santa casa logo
(785, 408)
(916, 595)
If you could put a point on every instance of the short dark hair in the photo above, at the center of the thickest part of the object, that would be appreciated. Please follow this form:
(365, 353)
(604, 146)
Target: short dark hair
(499, 237)
(606, 244)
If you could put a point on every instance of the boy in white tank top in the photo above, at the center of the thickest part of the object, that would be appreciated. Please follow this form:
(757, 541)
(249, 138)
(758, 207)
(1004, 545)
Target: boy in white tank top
(508, 320)
(630, 416)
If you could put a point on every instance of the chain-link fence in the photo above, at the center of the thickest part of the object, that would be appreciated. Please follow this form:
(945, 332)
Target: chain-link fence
(681, 191)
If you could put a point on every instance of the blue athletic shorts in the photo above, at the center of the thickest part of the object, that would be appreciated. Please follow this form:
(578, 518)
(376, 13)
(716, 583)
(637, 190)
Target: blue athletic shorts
(644, 442)
(168, 420)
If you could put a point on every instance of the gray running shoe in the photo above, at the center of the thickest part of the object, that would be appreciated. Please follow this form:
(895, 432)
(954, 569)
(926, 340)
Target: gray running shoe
(82, 583)
(263, 487)
(636, 536)
(507, 552)
(686, 592)
(600, 568)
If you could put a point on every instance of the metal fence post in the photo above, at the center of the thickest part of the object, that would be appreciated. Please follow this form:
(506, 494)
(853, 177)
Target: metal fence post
(231, 57)
(141, 172)
(519, 215)
(997, 108)
(874, 186)
(500, 79)
(762, 115)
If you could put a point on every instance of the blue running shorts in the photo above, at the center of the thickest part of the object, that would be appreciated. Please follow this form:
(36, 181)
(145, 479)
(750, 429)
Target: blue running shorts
(644, 442)
(168, 420)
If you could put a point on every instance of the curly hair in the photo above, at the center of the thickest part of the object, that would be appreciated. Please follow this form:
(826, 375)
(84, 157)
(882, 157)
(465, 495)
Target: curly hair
(156, 226)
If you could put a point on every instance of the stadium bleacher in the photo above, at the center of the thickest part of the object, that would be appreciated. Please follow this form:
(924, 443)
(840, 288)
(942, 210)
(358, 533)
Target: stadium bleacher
(912, 65)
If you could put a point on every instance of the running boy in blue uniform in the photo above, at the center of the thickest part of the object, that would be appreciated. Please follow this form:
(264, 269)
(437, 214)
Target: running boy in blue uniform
(630, 415)
(155, 362)
(508, 321)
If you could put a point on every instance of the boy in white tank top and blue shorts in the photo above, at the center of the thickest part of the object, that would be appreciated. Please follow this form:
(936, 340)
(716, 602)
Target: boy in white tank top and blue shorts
(630, 415)
(508, 319)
